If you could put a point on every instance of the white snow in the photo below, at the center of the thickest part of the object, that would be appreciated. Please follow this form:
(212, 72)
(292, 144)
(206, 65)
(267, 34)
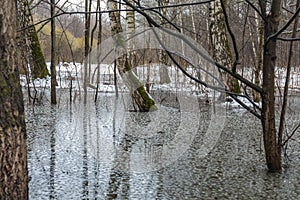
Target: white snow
(179, 83)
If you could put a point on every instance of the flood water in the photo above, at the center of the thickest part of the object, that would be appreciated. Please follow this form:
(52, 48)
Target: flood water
(104, 151)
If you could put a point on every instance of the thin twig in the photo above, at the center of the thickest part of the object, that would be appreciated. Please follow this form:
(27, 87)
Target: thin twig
(236, 52)
(290, 136)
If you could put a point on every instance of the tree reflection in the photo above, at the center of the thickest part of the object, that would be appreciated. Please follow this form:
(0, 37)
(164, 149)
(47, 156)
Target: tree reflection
(52, 164)
(52, 156)
(85, 168)
(120, 172)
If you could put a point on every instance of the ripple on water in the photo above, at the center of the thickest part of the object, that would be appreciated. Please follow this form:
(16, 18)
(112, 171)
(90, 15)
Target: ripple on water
(83, 151)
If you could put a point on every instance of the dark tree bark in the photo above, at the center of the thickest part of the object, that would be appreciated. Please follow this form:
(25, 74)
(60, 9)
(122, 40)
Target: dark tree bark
(99, 37)
(13, 151)
(273, 156)
(53, 55)
(86, 48)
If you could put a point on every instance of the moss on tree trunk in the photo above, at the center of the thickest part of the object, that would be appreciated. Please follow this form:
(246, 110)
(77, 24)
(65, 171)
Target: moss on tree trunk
(40, 68)
(140, 96)
(30, 44)
(13, 150)
(220, 43)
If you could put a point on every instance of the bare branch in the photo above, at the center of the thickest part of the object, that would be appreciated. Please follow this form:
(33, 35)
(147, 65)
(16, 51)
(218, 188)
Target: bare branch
(232, 38)
(290, 136)
(287, 80)
(288, 39)
(74, 13)
(177, 5)
(275, 35)
(245, 106)
(256, 9)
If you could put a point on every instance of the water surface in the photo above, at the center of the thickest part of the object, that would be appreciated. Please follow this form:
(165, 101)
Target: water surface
(103, 151)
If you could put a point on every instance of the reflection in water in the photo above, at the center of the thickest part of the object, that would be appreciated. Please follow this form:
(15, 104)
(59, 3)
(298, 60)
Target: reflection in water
(52, 164)
(160, 175)
(85, 168)
(119, 175)
(95, 163)
(88, 153)
(52, 156)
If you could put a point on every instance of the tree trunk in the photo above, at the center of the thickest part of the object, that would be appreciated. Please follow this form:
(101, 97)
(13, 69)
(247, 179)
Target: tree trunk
(220, 43)
(99, 37)
(130, 18)
(163, 57)
(86, 50)
(29, 41)
(140, 96)
(273, 156)
(13, 150)
(53, 55)
(191, 11)
(256, 96)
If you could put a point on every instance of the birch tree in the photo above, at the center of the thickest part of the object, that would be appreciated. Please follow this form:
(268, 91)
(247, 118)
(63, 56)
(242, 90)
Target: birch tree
(130, 19)
(140, 96)
(220, 43)
(163, 58)
(259, 55)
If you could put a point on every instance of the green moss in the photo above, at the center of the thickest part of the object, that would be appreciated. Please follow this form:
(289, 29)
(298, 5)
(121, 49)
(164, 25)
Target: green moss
(227, 48)
(40, 68)
(256, 98)
(3, 88)
(127, 65)
(236, 86)
(149, 102)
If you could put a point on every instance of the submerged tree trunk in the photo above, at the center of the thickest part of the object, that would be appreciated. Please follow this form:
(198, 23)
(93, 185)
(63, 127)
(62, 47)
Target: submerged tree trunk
(13, 150)
(140, 96)
(273, 156)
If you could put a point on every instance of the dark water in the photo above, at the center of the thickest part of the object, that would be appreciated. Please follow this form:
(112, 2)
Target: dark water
(102, 151)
